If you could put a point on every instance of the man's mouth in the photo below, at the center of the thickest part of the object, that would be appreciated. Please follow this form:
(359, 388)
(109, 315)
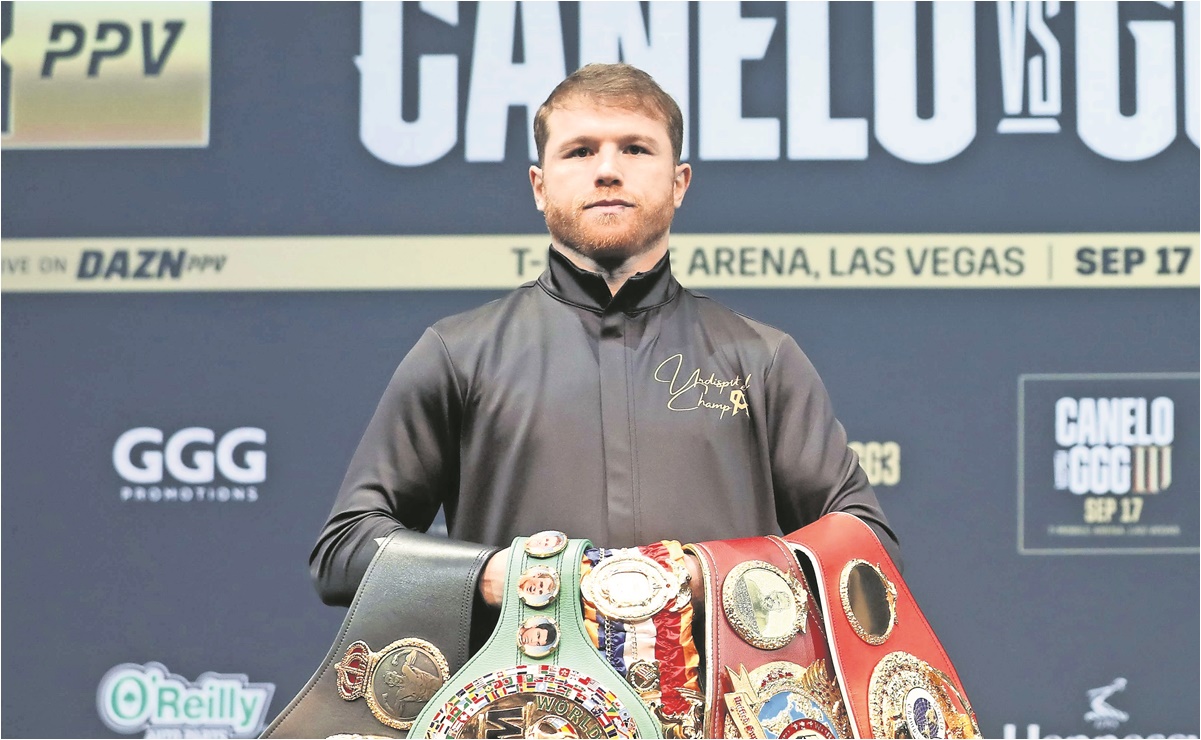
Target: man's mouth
(609, 205)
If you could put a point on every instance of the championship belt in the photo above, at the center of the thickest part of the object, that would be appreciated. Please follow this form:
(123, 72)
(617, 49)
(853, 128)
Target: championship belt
(897, 679)
(538, 675)
(638, 612)
(768, 672)
(393, 651)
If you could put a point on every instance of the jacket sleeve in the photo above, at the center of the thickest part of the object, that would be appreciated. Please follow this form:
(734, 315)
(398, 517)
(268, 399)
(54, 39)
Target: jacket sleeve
(814, 472)
(404, 467)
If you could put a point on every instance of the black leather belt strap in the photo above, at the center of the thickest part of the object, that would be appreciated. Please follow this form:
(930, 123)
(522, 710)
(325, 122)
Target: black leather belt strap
(410, 573)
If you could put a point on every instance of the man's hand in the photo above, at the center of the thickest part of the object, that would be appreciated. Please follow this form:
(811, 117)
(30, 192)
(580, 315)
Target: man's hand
(492, 580)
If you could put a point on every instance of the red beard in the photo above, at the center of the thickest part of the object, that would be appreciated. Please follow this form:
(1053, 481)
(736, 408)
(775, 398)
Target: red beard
(609, 237)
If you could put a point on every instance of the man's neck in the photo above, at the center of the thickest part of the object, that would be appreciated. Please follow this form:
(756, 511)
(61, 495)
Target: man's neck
(615, 275)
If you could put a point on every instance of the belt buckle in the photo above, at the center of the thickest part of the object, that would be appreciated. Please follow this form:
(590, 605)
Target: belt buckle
(630, 587)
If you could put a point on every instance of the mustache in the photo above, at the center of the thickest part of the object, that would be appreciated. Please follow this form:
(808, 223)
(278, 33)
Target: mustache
(606, 196)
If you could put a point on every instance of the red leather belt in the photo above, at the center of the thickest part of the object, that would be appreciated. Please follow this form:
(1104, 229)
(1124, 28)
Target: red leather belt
(768, 673)
(897, 679)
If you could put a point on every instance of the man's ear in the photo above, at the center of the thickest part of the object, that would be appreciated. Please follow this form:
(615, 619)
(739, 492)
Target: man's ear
(682, 179)
(537, 186)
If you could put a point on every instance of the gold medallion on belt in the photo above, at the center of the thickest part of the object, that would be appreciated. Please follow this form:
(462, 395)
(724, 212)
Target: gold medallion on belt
(766, 606)
(396, 681)
(631, 587)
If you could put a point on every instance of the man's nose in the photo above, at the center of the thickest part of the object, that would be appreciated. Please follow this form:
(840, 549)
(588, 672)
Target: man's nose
(608, 171)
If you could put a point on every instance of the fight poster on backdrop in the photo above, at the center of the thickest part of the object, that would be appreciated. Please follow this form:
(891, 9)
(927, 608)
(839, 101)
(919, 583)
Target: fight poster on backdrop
(1099, 464)
(224, 224)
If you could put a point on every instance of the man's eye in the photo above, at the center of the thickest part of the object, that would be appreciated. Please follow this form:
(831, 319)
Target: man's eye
(579, 152)
(636, 149)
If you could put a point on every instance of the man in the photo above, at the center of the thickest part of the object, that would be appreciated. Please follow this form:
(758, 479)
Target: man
(603, 399)
(538, 633)
(537, 587)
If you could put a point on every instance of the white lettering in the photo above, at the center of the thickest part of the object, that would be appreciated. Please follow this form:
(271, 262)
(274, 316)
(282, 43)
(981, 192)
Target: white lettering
(1046, 97)
(256, 460)
(1044, 70)
(381, 129)
(1108, 420)
(1098, 469)
(726, 40)
(1078, 470)
(1099, 120)
(1163, 421)
(151, 468)
(812, 133)
(1011, 32)
(1066, 429)
(614, 32)
(203, 460)
(1114, 421)
(899, 129)
(497, 82)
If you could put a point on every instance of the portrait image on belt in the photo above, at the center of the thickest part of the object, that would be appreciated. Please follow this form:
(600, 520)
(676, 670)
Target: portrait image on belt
(538, 586)
(538, 637)
(546, 544)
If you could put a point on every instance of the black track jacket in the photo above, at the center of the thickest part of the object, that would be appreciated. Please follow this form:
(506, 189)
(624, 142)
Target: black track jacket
(653, 414)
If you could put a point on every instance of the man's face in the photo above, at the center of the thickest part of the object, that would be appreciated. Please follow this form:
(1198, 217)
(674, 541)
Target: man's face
(608, 185)
(538, 586)
(544, 542)
(535, 636)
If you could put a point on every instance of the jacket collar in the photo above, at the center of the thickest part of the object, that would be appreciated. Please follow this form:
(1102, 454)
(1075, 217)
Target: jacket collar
(588, 290)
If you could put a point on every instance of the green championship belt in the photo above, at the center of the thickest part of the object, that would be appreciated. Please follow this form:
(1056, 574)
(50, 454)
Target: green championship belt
(539, 674)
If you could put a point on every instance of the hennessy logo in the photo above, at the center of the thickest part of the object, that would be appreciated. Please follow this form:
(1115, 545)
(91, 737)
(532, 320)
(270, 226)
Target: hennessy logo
(1101, 713)
(725, 395)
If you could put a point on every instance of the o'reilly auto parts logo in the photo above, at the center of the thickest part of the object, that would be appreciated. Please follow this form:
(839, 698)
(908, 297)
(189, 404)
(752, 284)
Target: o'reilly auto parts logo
(191, 464)
(135, 698)
(1097, 465)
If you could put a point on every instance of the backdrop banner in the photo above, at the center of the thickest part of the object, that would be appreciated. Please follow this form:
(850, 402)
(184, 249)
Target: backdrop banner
(225, 224)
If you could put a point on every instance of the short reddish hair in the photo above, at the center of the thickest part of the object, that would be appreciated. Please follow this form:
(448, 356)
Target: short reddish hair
(619, 85)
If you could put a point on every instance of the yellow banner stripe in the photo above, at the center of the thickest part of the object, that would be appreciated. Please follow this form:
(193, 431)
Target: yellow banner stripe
(1103, 260)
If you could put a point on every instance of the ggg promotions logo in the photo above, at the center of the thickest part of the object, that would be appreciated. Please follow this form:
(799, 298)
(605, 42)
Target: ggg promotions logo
(1096, 463)
(191, 464)
(106, 74)
(135, 698)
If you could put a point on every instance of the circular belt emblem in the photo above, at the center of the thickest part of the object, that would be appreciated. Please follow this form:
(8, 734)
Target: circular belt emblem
(397, 681)
(630, 587)
(907, 697)
(538, 636)
(538, 586)
(923, 715)
(545, 544)
(764, 605)
(869, 601)
(533, 701)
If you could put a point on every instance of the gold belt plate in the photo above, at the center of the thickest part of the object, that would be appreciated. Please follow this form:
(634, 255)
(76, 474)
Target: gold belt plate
(630, 587)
